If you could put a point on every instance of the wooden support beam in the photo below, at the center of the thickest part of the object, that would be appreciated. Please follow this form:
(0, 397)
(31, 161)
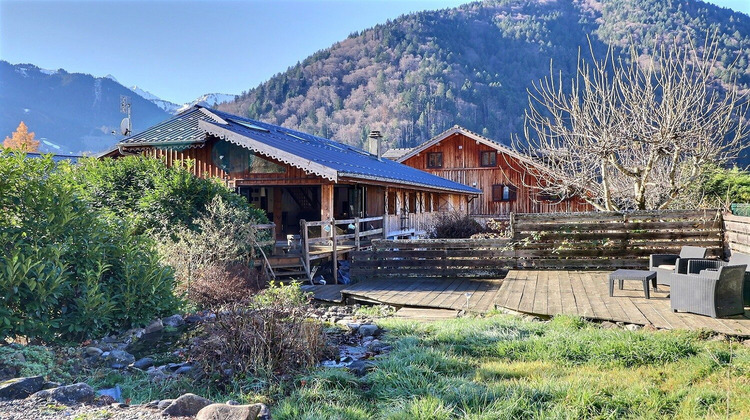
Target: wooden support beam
(326, 202)
(278, 194)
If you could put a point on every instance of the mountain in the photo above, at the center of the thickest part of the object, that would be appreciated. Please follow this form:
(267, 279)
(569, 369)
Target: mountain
(166, 106)
(417, 75)
(209, 99)
(69, 112)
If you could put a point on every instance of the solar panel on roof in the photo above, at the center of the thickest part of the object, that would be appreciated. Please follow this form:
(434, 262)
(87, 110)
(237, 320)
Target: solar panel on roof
(250, 126)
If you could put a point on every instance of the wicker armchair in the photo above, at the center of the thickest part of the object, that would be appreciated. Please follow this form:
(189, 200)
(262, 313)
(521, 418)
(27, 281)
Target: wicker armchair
(715, 296)
(667, 264)
(710, 268)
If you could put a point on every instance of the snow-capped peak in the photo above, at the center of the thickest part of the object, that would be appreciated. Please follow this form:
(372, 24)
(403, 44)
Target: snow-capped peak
(110, 77)
(145, 94)
(209, 99)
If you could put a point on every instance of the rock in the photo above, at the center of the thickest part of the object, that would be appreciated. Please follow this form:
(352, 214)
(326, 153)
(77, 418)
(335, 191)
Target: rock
(633, 327)
(192, 319)
(368, 330)
(154, 327)
(375, 345)
(144, 363)
(173, 321)
(19, 388)
(118, 359)
(234, 412)
(68, 394)
(607, 325)
(718, 337)
(119, 405)
(161, 405)
(746, 343)
(232, 402)
(92, 351)
(153, 404)
(186, 405)
(115, 393)
(353, 326)
(361, 367)
(183, 370)
(50, 385)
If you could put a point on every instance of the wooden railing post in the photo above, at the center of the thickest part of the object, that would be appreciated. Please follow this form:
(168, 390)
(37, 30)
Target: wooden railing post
(335, 253)
(305, 247)
(356, 233)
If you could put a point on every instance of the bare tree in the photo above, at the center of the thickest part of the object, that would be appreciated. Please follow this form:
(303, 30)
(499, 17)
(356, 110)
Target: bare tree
(633, 132)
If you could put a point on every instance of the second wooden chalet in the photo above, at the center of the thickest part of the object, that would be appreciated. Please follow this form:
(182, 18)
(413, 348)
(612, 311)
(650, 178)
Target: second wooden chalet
(469, 158)
(296, 176)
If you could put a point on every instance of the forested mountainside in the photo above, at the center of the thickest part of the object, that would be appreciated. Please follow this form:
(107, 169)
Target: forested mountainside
(419, 74)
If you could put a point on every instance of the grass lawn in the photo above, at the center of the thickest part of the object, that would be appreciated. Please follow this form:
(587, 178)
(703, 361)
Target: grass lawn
(504, 367)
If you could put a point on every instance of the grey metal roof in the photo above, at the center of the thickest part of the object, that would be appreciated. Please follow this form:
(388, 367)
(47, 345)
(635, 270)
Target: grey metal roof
(55, 158)
(317, 155)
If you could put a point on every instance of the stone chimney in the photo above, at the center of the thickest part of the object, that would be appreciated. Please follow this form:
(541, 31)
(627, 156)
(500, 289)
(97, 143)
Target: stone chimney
(375, 143)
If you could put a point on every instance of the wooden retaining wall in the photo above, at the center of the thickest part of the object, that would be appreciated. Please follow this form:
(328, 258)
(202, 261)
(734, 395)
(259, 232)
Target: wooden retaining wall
(603, 240)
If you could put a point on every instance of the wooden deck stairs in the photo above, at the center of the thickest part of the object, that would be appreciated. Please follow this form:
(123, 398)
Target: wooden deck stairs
(288, 267)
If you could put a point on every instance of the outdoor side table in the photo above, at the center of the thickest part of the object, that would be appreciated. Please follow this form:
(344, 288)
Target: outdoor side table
(621, 275)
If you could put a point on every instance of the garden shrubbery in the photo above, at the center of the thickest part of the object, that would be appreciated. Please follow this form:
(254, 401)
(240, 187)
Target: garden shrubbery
(455, 226)
(67, 271)
(269, 335)
(79, 255)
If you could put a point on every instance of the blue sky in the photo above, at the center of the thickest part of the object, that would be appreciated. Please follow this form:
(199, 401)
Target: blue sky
(179, 50)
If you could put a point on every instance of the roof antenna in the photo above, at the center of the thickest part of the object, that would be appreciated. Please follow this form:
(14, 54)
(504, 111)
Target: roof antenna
(126, 124)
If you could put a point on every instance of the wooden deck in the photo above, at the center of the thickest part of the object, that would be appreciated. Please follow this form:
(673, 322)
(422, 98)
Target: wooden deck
(539, 292)
(424, 293)
(586, 293)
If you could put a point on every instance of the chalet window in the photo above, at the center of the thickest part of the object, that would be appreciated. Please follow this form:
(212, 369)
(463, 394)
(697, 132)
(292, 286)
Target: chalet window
(546, 196)
(503, 192)
(488, 158)
(435, 160)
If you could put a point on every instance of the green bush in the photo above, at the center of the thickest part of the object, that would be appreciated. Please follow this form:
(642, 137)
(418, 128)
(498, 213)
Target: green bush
(67, 271)
(151, 194)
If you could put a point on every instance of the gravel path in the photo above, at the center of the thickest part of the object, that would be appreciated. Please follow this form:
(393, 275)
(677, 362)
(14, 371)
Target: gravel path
(31, 409)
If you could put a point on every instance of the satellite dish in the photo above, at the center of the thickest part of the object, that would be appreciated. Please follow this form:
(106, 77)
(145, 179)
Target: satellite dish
(125, 126)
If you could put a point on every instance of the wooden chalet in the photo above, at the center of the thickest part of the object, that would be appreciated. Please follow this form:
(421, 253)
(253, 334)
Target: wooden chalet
(309, 186)
(466, 157)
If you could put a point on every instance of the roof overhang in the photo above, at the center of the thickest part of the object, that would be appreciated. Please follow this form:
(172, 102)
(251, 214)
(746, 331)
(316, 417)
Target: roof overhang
(269, 151)
(390, 181)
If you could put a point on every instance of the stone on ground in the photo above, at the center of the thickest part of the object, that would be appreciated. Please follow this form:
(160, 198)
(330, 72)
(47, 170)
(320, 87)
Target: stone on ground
(68, 394)
(186, 405)
(233, 412)
(19, 388)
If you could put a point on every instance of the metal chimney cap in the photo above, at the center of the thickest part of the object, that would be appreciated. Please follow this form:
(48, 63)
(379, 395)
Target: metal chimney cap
(374, 134)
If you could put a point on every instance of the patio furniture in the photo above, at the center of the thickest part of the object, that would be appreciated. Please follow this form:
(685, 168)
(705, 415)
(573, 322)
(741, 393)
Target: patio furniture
(706, 267)
(715, 296)
(641, 275)
(666, 264)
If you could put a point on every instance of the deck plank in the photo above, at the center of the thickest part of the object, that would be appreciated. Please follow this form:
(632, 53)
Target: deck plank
(541, 292)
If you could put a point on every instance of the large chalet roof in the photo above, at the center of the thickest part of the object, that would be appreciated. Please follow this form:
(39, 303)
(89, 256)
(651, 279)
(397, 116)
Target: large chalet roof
(316, 155)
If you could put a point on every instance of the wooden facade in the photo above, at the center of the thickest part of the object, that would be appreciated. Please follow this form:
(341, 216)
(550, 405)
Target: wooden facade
(289, 194)
(470, 159)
